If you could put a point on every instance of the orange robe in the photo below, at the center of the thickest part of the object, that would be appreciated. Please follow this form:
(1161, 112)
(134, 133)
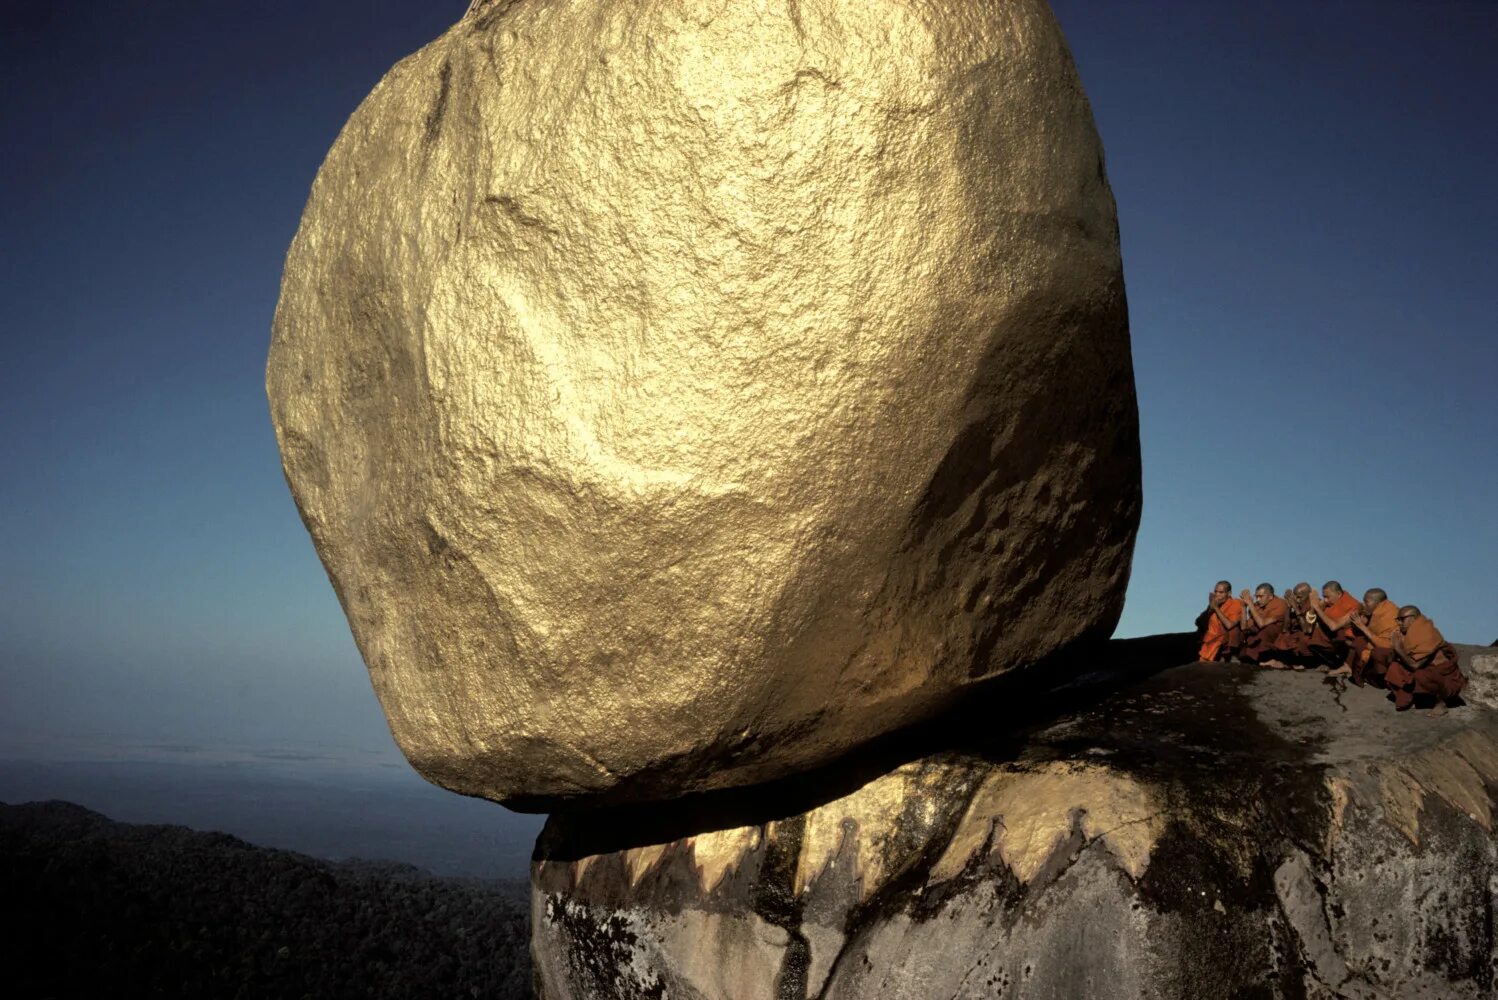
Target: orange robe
(1333, 647)
(1343, 606)
(1374, 658)
(1216, 636)
(1263, 642)
(1383, 623)
(1437, 675)
(1294, 641)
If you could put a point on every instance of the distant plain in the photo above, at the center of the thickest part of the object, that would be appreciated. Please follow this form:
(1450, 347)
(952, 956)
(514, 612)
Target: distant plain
(326, 802)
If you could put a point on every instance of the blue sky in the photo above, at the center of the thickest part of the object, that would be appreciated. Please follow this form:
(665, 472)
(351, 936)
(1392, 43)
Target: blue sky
(1308, 214)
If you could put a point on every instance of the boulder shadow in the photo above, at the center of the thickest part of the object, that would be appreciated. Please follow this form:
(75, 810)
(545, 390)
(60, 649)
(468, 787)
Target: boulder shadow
(993, 720)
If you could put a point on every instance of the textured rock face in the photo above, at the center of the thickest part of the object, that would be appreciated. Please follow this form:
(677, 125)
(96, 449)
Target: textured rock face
(1480, 666)
(1207, 832)
(679, 394)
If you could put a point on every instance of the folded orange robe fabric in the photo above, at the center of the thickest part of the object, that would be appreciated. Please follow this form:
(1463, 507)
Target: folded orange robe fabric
(1263, 642)
(1343, 606)
(1438, 674)
(1423, 639)
(1216, 636)
(1294, 640)
(1275, 610)
(1376, 670)
(1383, 623)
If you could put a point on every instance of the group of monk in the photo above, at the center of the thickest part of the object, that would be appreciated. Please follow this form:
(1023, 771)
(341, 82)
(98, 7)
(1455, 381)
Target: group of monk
(1374, 642)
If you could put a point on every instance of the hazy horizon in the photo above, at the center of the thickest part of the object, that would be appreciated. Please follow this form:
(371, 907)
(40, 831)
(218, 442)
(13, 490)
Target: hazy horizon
(329, 802)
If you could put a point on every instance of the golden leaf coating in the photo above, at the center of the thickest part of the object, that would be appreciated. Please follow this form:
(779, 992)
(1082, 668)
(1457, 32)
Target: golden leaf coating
(680, 394)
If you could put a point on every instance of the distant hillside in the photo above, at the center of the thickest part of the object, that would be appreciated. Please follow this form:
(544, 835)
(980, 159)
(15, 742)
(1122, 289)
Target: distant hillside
(98, 908)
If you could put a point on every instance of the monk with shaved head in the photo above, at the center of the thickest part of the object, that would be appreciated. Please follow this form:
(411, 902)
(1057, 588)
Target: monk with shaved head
(1224, 624)
(1293, 646)
(1264, 615)
(1373, 645)
(1330, 641)
(1424, 663)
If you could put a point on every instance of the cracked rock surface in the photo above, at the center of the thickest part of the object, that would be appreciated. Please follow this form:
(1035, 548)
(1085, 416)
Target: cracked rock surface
(1197, 831)
(680, 394)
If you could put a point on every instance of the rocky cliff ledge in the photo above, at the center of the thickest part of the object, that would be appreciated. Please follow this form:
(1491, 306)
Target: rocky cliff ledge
(1197, 831)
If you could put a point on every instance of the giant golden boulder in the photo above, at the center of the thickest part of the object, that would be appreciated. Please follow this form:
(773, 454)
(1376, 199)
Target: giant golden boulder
(680, 394)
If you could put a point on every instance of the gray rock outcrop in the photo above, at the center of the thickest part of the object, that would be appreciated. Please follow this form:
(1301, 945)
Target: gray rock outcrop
(1480, 665)
(1208, 831)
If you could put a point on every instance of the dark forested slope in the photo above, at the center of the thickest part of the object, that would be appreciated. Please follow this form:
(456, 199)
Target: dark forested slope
(99, 908)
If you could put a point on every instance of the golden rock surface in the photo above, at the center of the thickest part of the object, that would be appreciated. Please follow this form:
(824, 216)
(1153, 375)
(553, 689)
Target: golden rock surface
(680, 394)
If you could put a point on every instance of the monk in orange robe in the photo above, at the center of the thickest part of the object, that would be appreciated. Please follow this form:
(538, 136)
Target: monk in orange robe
(1264, 616)
(1293, 644)
(1373, 643)
(1424, 663)
(1331, 640)
(1224, 632)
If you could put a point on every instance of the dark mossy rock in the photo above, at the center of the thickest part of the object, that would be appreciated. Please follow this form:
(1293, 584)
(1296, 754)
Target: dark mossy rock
(1198, 831)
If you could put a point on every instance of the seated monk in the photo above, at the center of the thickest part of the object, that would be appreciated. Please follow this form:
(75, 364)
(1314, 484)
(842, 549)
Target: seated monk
(1224, 615)
(1294, 641)
(1373, 645)
(1424, 663)
(1264, 617)
(1330, 642)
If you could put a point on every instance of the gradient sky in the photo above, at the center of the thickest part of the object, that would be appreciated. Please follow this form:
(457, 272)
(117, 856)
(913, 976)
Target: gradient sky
(1308, 212)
